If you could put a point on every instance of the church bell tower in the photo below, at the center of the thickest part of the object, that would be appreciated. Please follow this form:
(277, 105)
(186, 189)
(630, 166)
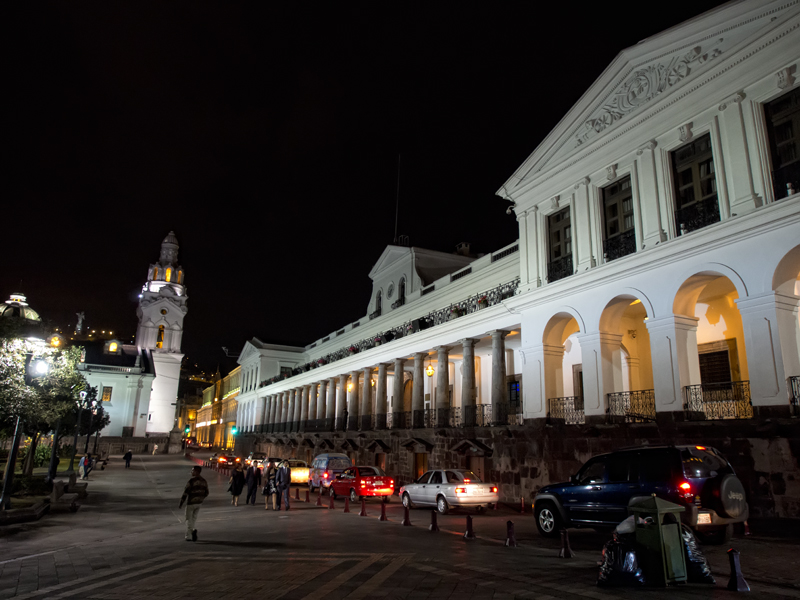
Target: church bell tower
(162, 308)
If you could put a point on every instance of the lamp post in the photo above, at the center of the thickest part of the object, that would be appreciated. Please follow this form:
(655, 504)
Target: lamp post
(89, 431)
(77, 428)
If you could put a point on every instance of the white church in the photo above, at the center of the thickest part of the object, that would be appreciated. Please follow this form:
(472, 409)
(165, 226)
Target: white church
(138, 384)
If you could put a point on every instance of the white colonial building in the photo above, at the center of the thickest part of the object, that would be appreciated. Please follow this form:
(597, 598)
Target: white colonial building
(138, 384)
(655, 273)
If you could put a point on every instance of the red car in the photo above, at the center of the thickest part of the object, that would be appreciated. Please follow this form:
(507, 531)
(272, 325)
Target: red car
(359, 482)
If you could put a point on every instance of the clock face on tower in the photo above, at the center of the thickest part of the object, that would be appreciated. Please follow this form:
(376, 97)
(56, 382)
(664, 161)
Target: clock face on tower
(390, 291)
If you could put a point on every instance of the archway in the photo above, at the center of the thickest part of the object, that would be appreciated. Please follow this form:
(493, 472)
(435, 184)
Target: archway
(563, 368)
(718, 385)
(786, 285)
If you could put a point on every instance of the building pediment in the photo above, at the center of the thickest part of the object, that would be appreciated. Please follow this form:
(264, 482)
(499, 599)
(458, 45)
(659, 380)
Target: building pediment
(390, 256)
(645, 78)
(248, 353)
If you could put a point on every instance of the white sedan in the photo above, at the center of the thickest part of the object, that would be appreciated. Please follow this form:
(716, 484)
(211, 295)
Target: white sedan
(449, 487)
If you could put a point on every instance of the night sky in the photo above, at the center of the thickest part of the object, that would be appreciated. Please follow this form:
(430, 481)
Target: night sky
(267, 138)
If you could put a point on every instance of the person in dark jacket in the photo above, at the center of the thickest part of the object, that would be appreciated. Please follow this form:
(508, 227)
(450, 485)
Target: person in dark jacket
(270, 487)
(127, 458)
(237, 484)
(253, 481)
(284, 480)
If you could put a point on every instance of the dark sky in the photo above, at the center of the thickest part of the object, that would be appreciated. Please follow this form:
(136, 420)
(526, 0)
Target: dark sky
(267, 138)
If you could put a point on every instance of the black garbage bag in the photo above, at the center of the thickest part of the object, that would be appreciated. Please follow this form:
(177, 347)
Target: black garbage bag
(620, 566)
(697, 570)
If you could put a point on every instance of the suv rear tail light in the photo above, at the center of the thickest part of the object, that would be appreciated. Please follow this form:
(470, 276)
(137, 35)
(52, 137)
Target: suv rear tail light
(461, 490)
(685, 490)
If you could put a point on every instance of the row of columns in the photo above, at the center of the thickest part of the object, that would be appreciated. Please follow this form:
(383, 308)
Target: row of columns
(327, 400)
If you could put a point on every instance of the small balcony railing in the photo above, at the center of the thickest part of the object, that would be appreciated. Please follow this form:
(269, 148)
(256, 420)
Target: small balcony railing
(794, 390)
(716, 401)
(635, 407)
(568, 409)
(698, 215)
(560, 268)
(620, 245)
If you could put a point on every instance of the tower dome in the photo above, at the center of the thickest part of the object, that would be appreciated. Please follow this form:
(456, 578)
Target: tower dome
(16, 306)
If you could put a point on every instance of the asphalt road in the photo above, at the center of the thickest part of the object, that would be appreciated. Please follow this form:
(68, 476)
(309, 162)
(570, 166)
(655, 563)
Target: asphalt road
(127, 541)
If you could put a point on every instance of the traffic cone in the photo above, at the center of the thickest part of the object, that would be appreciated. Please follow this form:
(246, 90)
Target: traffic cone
(469, 534)
(736, 583)
(434, 526)
(406, 517)
(383, 512)
(346, 504)
(566, 550)
(511, 540)
(363, 512)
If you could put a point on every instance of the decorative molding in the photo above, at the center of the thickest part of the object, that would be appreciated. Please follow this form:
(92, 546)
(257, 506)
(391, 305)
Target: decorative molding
(582, 181)
(554, 201)
(786, 77)
(651, 145)
(685, 132)
(611, 172)
(735, 99)
(644, 85)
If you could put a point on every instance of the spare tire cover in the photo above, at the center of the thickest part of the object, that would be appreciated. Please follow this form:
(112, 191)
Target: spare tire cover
(732, 497)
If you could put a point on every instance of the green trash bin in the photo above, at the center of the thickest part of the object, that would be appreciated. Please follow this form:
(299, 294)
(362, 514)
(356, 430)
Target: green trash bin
(659, 546)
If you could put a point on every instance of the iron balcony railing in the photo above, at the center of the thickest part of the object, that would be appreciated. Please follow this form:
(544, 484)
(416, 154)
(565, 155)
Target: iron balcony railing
(635, 407)
(620, 245)
(559, 268)
(794, 389)
(715, 401)
(568, 409)
(698, 215)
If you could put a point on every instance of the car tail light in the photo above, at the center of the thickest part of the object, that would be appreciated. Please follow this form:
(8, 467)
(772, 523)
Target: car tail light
(700, 447)
(363, 485)
(685, 490)
(461, 490)
(466, 481)
(324, 475)
(494, 490)
(222, 459)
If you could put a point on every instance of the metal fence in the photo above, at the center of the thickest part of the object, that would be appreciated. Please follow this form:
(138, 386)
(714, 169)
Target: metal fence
(635, 407)
(715, 401)
(568, 409)
(794, 388)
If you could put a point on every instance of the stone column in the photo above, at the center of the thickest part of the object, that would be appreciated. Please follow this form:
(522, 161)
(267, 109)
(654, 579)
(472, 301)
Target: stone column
(298, 401)
(304, 407)
(739, 173)
(354, 406)
(312, 405)
(582, 231)
(443, 386)
(602, 370)
(499, 386)
(270, 412)
(380, 397)
(397, 394)
(673, 347)
(772, 348)
(418, 390)
(468, 392)
(341, 403)
(330, 404)
(652, 218)
(286, 401)
(321, 399)
(366, 399)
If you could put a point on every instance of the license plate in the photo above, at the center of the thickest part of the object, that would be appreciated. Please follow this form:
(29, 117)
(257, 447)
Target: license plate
(704, 519)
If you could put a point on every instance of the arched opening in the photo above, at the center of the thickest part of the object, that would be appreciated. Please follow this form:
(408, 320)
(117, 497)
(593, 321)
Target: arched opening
(155, 273)
(786, 284)
(378, 304)
(401, 291)
(168, 274)
(160, 337)
(715, 355)
(626, 357)
(180, 277)
(563, 369)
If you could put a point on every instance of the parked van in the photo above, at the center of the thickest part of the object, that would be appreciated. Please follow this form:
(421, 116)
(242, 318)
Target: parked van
(325, 468)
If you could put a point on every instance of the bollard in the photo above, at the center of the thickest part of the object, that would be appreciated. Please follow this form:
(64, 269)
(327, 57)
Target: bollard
(319, 497)
(496, 506)
(406, 518)
(434, 526)
(511, 540)
(522, 504)
(469, 534)
(332, 505)
(566, 550)
(746, 528)
(308, 496)
(383, 512)
(346, 504)
(297, 494)
(736, 583)
(363, 512)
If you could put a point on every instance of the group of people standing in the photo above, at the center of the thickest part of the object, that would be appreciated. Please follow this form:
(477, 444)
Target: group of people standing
(276, 482)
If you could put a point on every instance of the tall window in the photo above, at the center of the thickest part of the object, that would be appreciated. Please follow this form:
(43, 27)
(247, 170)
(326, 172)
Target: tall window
(107, 394)
(160, 338)
(783, 128)
(168, 275)
(401, 291)
(155, 273)
(560, 237)
(180, 276)
(695, 185)
(620, 234)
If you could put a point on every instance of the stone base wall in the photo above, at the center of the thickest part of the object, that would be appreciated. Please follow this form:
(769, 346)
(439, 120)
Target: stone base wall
(522, 459)
(120, 445)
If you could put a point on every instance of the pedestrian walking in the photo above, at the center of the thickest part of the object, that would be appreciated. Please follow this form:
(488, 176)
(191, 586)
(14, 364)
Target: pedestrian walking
(127, 458)
(237, 484)
(155, 449)
(84, 466)
(253, 481)
(194, 493)
(270, 487)
(283, 480)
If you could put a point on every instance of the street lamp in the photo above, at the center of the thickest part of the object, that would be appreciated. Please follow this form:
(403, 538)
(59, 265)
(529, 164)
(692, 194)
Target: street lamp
(77, 427)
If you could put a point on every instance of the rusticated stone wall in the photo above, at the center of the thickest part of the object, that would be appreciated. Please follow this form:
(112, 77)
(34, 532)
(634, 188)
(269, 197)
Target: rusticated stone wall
(765, 455)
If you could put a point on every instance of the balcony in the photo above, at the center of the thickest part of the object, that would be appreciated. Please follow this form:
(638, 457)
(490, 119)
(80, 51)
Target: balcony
(559, 269)
(718, 401)
(698, 215)
(620, 245)
(634, 407)
(794, 390)
(568, 409)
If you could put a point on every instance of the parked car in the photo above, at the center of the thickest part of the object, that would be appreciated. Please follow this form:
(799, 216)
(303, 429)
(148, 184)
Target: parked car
(299, 471)
(359, 482)
(449, 488)
(600, 494)
(325, 467)
(255, 458)
(225, 459)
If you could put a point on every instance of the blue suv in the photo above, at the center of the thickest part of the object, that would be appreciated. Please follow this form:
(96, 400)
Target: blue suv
(696, 477)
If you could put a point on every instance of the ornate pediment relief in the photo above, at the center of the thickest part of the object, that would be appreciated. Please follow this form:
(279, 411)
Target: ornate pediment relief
(645, 84)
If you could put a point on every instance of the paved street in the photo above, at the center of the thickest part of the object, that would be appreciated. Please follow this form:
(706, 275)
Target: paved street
(127, 542)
